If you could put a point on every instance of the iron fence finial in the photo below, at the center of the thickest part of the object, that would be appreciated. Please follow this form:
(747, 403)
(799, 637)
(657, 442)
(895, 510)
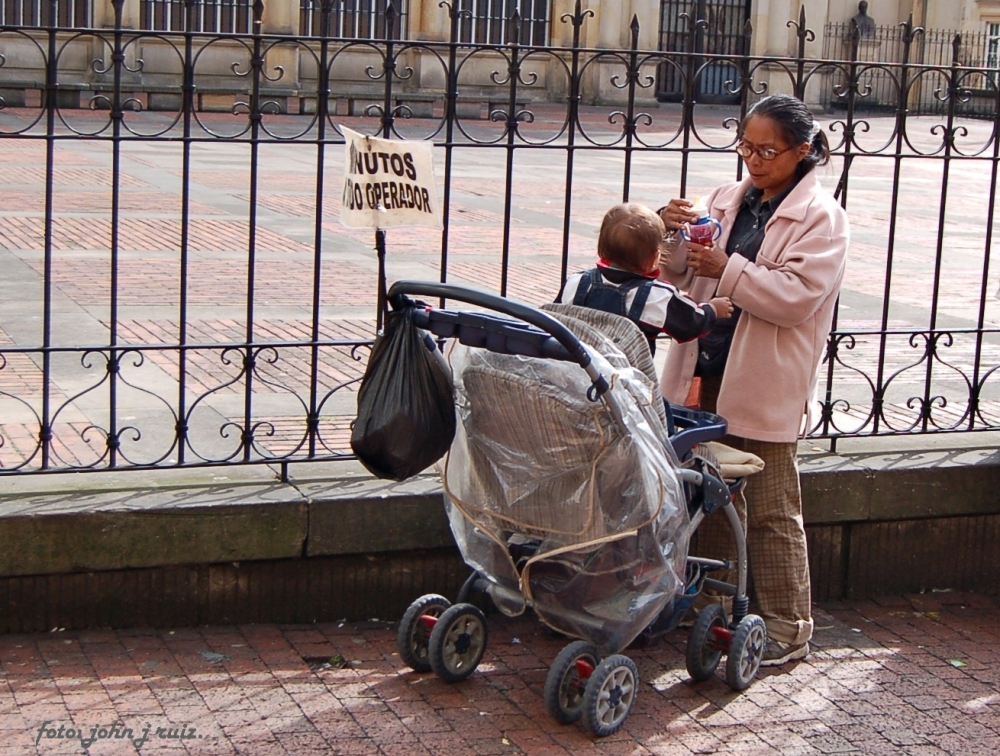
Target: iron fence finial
(577, 17)
(907, 26)
(804, 33)
(910, 31)
(515, 27)
(390, 20)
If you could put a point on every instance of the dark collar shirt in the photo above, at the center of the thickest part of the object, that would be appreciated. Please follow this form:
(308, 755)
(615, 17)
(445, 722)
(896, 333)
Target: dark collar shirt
(745, 239)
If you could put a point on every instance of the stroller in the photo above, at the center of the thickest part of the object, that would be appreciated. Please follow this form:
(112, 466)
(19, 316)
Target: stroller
(572, 489)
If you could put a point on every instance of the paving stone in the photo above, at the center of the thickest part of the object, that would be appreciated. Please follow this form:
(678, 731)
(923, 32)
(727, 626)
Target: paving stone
(898, 697)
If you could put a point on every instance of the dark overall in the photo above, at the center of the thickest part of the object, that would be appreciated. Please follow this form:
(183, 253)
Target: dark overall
(595, 293)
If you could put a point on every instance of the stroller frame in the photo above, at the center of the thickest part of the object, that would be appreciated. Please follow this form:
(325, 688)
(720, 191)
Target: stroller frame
(450, 639)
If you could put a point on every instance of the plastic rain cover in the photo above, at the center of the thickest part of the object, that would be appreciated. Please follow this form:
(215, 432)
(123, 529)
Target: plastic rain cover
(570, 504)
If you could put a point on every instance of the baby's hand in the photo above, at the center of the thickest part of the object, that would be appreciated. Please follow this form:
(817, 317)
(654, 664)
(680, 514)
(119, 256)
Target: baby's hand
(723, 306)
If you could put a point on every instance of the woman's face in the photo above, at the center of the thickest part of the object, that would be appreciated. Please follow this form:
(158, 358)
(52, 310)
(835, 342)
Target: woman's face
(770, 176)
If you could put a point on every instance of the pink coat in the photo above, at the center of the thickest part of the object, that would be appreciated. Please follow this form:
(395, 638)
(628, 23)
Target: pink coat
(788, 297)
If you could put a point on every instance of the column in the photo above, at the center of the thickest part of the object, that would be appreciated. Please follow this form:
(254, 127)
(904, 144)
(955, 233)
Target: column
(103, 18)
(104, 14)
(773, 37)
(429, 21)
(605, 29)
(602, 31)
(817, 16)
(648, 13)
(281, 17)
(562, 33)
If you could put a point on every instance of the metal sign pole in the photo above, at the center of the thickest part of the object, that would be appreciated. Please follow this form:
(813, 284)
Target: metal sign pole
(383, 303)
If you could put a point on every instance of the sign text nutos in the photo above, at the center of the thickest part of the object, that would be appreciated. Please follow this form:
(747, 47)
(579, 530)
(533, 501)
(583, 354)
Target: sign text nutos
(388, 183)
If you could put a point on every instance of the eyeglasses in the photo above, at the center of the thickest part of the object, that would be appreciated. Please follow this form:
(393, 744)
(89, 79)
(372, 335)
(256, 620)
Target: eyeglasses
(766, 154)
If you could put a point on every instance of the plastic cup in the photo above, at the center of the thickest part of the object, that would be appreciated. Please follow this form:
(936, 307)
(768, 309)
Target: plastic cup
(703, 233)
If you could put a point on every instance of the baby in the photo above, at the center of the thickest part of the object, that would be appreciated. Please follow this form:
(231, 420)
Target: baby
(624, 281)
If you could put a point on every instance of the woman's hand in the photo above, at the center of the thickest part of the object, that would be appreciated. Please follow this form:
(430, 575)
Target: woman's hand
(677, 213)
(706, 261)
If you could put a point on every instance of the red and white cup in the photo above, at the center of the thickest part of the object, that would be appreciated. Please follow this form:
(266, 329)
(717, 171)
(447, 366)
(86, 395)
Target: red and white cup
(704, 232)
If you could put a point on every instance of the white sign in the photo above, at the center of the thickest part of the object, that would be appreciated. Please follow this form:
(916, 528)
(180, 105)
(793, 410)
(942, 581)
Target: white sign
(388, 183)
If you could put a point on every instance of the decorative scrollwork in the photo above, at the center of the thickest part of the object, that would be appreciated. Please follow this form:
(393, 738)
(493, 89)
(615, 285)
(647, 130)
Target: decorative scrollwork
(807, 34)
(577, 18)
(455, 12)
(278, 69)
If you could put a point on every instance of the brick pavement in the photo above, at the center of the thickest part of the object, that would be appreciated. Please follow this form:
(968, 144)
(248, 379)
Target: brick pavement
(916, 676)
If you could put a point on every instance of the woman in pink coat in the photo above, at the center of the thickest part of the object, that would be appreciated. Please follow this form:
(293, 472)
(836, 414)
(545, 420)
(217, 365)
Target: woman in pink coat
(780, 258)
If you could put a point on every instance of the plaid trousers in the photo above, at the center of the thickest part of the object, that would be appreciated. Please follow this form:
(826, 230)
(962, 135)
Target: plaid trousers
(771, 511)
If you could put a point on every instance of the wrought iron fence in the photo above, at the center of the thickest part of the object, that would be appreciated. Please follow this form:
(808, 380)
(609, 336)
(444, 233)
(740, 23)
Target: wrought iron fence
(177, 291)
(932, 47)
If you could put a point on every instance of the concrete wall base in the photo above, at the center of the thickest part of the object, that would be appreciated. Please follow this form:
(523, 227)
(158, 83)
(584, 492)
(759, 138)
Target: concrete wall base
(293, 591)
(100, 553)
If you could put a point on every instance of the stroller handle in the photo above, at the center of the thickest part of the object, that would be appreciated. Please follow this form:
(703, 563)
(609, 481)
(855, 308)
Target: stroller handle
(401, 289)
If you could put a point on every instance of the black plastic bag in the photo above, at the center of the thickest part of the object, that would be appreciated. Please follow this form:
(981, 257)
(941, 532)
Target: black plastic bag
(406, 404)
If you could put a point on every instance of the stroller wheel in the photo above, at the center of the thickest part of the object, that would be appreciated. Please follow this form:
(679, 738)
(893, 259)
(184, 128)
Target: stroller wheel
(567, 680)
(704, 647)
(610, 694)
(415, 632)
(746, 651)
(457, 642)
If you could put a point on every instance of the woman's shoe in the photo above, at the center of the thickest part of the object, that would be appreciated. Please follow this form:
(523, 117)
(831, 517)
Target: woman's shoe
(777, 653)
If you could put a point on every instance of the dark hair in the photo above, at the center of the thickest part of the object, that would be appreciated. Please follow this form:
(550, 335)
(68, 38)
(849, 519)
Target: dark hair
(797, 126)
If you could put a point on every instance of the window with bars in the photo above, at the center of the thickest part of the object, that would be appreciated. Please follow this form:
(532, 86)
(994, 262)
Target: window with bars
(352, 19)
(488, 21)
(992, 45)
(72, 14)
(222, 16)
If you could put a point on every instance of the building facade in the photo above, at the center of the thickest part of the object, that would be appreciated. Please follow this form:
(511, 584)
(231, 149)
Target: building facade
(661, 26)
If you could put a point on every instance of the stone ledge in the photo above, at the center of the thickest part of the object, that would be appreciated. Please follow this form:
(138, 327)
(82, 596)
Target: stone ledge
(914, 485)
(113, 521)
(107, 530)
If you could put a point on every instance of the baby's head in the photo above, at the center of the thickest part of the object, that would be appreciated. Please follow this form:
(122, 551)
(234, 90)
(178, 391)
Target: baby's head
(630, 238)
